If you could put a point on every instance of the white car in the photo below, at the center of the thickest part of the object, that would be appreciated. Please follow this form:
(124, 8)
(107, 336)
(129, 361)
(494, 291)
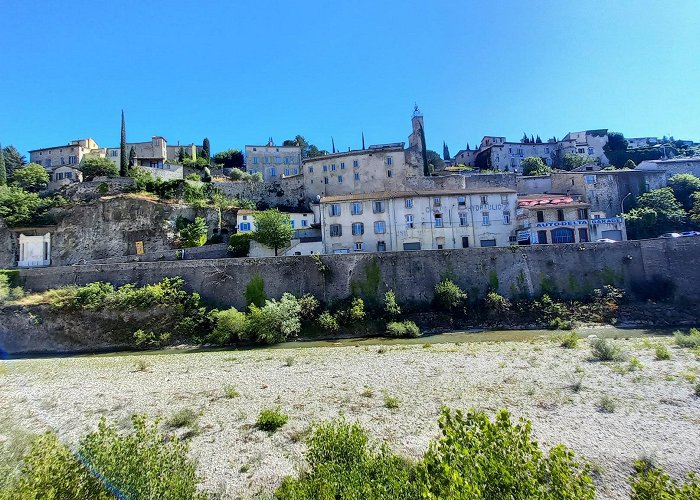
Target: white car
(605, 240)
(670, 235)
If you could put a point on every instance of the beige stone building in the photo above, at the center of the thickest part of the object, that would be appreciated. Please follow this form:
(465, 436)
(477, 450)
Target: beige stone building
(70, 154)
(273, 162)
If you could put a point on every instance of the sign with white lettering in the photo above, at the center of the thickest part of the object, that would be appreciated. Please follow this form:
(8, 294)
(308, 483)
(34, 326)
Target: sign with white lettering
(562, 223)
(612, 220)
(486, 208)
(523, 235)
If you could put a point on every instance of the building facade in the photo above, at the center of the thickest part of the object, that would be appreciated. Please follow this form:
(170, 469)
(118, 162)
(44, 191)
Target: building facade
(418, 220)
(34, 251)
(61, 162)
(273, 162)
(245, 221)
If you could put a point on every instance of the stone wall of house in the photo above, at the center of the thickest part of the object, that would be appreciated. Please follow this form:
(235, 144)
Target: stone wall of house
(285, 193)
(573, 270)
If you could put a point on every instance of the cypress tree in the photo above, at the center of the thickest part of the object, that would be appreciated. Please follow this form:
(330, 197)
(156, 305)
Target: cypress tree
(206, 149)
(426, 170)
(132, 157)
(123, 160)
(3, 170)
(180, 154)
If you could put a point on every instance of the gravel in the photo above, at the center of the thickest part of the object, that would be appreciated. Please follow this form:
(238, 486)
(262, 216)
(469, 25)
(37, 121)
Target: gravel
(656, 413)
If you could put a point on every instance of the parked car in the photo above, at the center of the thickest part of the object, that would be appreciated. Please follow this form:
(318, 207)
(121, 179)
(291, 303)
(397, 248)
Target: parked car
(690, 233)
(670, 235)
(605, 240)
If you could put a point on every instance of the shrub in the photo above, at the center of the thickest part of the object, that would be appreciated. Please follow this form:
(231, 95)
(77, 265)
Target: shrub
(140, 365)
(697, 390)
(309, 306)
(231, 392)
(343, 464)
(497, 303)
(270, 420)
(151, 339)
(289, 361)
(391, 307)
(194, 234)
(229, 325)
(448, 296)
(560, 324)
(93, 295)
(606, 404)
(356, 312)
(661, 353)
(650, 483)
(186, 417)
(328, 323)
(691, 340)
(635, 364)
(255, 291)
(239, 244)
(479, 458)
(275, 321)
(570, 340)
(9, 293)
(605, 350)
(391, 402)
(98, 167)
(402, 329)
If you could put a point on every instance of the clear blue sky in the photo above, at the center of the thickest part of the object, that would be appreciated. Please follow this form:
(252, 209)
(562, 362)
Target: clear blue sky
(241, 71)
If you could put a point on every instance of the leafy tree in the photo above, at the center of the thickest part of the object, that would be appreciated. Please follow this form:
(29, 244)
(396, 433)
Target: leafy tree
(273, 229)
(231, 158)
(684, 185)
(199, 163)
(13, 159)
(32, 177)
(123, 161)
(276, 321)
(533, 165)
(230, 324)
(206, 150)
(391, 307)
(194, 234)
(19, 207)
(695, 210)
(657, 212)
(98, 167)
(574, 160)
(132, 157)
(3, 169)
(449, 296)
(434, 160)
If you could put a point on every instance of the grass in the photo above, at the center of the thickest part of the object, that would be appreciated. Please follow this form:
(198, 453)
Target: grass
(140, 365)
(691, 340)
(367, 392)
(635, 364)
(186, 417)
(289, 361)
(390, 402)
(606, 350)
(606, 405)
(271, 419)
(230, 392)
(569, 340)
(661, 353)
(576, 382)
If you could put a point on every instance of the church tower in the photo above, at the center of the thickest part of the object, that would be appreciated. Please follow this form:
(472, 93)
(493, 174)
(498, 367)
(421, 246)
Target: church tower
(415, 140)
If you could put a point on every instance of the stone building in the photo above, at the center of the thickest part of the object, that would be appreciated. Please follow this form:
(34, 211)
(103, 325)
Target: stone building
(690, 165)
(61, 162)
(415, 220)
(495, 153)
(274, 162)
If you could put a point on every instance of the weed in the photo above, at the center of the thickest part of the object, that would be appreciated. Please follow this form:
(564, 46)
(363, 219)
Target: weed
(690, 376)
(502, 364)
(692, 340)
(697, 390)
(390, 402)
(382, 349)
(289, 361)
(244, 468)
(635, 364)
(367, 392)
(230, 392)
(661, 353)
(271, 419)
(605, 350)
(569, 340)
(606, 404)
(576, 382)
(141, 365)
(427, 345)
(578, 369)
(186, 417)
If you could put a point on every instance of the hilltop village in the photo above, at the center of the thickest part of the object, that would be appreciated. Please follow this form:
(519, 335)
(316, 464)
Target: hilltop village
(159, 201)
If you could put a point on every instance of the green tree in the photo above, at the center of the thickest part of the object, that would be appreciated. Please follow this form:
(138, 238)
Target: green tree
(435, 161)
(231, 158)
(273, 229)
(98, 167)
(132, 157)
(13, 159)
(695, 210)
(32, 177)
(533, 165)
(573, 160)
(180, 155)
(3, 170)
(657, 212)
(123, 161)
(195, 233)
(206, 150)
(684, 185)
(19, 207)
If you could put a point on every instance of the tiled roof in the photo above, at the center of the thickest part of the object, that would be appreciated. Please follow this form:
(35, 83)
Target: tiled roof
(383, 195)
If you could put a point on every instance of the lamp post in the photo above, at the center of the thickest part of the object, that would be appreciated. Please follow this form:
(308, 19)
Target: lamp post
(622, 203)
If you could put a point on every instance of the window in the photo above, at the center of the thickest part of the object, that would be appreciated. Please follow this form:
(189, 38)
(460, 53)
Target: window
(590, 151)
(540, 216)
(581, 150)
(485, 219)
(38, 162)
(506, 217)
(358, 228)
(583, 213)
(436, 201)
(563, 235)
(296, 171)
(356, 208)
(560, 214)
(332, 167)
(311, 170)
(438, 220)
(273, 172)
(359, 246)
(484, 200)
(388, 160)
(304, 223)
(378, 207)
(381, 246)
(63, 161)
(72, 160)
(278, 160)
(47, 163)
(583, 234)
(409, 221)
(488, 243)
(255, 160)
(461, 201)
(355, 163)
(325, 168)
(542, 237)
(286, 171)
(379, 227)
(244, 226)
(113, 153)
(335, 209)
(357, 176)
(325, 180)
(336, 230)
(389, 173)
(342, 165)
(291, 222)
(340, 179)
(266, 159)
(69, 175)
(504, 199)
(409, 202)
(463, 219)
(286, 160)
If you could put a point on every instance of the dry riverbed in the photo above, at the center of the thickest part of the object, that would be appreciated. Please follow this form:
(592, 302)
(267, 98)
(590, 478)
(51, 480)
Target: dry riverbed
(655, 412)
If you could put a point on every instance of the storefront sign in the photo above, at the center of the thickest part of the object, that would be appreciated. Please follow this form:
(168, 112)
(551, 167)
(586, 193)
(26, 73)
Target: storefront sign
(562, 223)
(613, 220)
(523, 235)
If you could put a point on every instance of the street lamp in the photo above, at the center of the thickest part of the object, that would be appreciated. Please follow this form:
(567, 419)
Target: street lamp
(622, 204)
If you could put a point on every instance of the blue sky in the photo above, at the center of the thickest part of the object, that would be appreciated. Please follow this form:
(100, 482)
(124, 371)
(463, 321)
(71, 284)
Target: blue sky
(241, 71)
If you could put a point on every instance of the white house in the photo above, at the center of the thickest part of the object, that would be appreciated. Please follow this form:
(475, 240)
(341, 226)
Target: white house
(306, 240)
(418, 220)
(34, 251)
(245, 220)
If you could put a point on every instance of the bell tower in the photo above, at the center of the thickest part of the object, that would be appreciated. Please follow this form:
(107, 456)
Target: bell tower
(415, 139)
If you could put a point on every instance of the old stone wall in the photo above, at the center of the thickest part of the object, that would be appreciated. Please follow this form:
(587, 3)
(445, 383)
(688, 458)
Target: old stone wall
(285, 193)
(572, 270)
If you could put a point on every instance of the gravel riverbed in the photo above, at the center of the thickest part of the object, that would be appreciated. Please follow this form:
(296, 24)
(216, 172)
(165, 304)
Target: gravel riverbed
(656, 413)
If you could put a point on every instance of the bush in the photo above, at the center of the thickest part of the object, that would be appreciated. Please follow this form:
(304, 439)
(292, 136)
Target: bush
(239, 244)
(229, 325)
(328, 323)
(391, 307)
(661, 353)
(309, 306)
(391, 402)
(151, 339)
(605, 350)
(606, 404)
(354, 313)
(448, 296)
(270, 420)
(560, 324)
(651, 483)
(255, 291)
(98, 167)
(183, 418)
(343, 464)
(7, 292)
(570, 340)
(19, 207)
(478, 458)
(231, 392)
(402, 329)
(31, 177)
(194, 234)
(275, 322)
(93, 295)
(691, 340)
(497, 303)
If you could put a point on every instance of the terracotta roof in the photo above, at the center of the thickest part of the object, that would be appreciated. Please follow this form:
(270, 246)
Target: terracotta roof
(548, 201)
(383, 195)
